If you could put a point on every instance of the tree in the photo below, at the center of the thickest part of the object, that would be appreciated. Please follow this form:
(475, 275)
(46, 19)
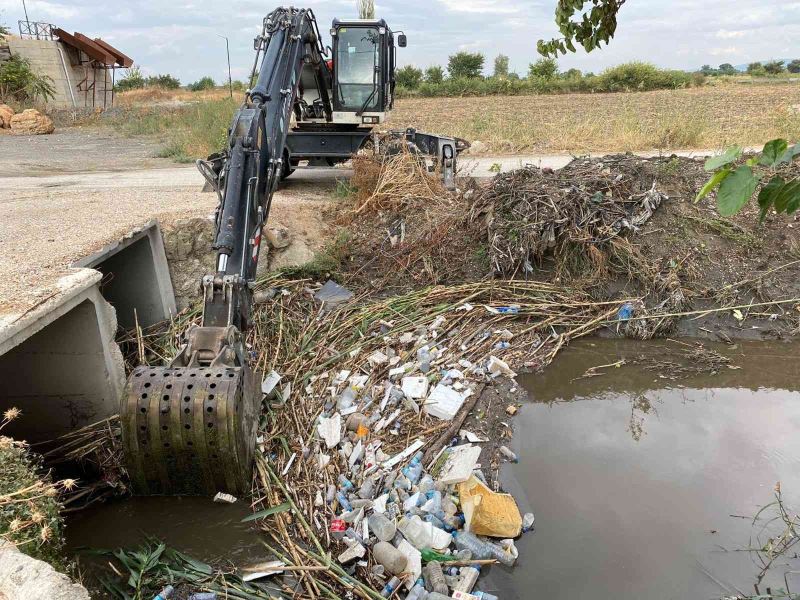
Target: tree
(434, 75)
(572, 74)
(544, 68)
(204, 83)
(466, 65)
(708, 70)
(794, 66)
(774, 67)
(168, 82)
(591, 27)
(408, 77)
(501, 66)
(754, 66)
(19, 82)
(727, 69)
(133, 80)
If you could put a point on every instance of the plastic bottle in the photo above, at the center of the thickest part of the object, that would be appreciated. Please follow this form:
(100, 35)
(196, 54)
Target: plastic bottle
(469, 577)
(204, 596)
(383, 527)
(438, 596)
(343, 501)
(527, 521)
(436, 522)
(337, 528)
(346, 399)
(414, 468)
(418, 591)
(331, 494)
(367, 489)
(485, 596)
(424, 357)
(505, 451)
(481, 549)
(415, 532)
(434, 578)
(390, 587)
(344, 482)
(390, 557)
(425, 484)
(165, 594)
(428, 555)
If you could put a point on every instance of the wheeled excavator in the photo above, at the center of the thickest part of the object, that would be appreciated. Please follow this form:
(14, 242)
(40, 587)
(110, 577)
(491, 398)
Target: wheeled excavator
(190, 427)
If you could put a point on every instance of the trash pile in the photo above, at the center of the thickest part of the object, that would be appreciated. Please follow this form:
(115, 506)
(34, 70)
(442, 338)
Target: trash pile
(588, 203)
(366, 470)
(394, 513)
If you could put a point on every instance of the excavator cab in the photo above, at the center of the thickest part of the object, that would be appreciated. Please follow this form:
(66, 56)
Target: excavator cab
(363, 71)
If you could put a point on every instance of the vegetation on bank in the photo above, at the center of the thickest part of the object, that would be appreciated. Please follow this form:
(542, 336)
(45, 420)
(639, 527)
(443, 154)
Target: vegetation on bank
(29, 506)
(19, 83)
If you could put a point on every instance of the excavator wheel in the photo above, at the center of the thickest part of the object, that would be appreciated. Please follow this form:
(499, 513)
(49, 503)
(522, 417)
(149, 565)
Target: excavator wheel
(190, 430)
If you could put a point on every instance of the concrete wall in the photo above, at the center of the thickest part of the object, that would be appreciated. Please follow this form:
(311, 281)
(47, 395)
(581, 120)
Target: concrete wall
(45, 59)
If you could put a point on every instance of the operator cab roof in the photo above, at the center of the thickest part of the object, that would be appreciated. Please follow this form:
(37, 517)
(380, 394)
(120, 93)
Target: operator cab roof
(354, 22)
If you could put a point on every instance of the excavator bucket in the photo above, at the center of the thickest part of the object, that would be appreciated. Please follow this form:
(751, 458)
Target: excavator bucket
(190, 430)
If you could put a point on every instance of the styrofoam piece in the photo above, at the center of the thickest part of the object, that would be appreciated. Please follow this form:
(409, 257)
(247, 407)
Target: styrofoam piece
(413, 564)
(330, 430)
(269, 383)
(444, 402)
(415, 387)
(460, 462)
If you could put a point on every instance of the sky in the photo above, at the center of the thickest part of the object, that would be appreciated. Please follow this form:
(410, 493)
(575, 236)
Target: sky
(180, 37)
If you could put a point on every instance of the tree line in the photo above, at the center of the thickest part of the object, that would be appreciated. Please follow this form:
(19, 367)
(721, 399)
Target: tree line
(758, 69)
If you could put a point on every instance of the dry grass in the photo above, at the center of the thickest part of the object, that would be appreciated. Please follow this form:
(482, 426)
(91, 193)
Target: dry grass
(709, 117)
(150, 96)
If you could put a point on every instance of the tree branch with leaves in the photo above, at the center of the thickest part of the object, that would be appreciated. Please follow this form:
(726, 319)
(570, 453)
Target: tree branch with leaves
(587, 23)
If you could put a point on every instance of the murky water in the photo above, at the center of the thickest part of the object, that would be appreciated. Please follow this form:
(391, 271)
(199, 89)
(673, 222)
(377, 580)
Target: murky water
(197, 526)
(633, 476)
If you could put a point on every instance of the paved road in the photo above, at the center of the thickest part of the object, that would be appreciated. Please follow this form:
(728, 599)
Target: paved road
(188, 176)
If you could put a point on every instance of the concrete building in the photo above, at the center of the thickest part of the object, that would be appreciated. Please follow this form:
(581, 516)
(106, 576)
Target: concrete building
(83, 70)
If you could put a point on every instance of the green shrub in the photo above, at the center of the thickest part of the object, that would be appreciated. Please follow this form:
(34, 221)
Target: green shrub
(19, 82)
(794, 66)
(204, 83)
(408, 77)
(167, 82)
(774, 67)
(133, 80)
(544, 68)
(641, 76)
(434, 74)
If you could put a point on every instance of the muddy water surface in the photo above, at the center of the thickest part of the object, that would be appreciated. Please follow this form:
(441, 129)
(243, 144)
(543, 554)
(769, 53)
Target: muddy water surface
(633, 476)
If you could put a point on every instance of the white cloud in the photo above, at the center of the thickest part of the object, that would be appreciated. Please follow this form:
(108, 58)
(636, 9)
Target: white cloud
(726, 34)
(480, 6)
(730, 51)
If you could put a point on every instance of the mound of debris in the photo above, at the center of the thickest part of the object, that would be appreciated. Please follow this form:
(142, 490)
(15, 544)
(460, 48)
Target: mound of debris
(31, 122)
(591, 201)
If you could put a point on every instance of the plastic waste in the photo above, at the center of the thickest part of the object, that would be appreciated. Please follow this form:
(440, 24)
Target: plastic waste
(429, 555)
(390, 587)
(482, 549)
(486, 596)
(418, 591)
(414, 468)
(204, 596)
(344, 482)
(337, 528)
(390, 557)
(434, 578)
(506, 451)
(367, 489)
(343, 501)
(165, 594)
(425, 484)
(469, 577)
(527, 521)
(438, 596)
(415, 531)
(383, 527)
(346, 399)
(625, 312)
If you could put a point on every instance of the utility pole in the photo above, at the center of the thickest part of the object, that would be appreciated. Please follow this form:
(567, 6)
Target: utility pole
(25, 8)
(228, 51)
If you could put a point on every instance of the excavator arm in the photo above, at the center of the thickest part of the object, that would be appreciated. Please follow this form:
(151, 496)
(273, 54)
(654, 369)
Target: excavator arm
(191, 427)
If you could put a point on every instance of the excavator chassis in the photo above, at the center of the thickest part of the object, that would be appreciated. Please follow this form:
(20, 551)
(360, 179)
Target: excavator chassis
(190, 430)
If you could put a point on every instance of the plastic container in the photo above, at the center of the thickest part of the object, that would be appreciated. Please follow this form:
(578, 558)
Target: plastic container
(434, 578)
(468, 578)
(506, 451)
(346, 399)
(345, 483)
(414, 469)
(343, 501)
(481, 549)
(485, 596)
(383, 527)
(418, 591)
(367, 489)
(425, 484)
(204, 596)
(390, 587)
(415, 532)
(390, 557)
(438, 596)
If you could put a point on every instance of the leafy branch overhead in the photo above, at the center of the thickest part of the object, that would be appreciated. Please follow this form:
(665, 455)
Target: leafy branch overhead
(736, 184)
(584, 22)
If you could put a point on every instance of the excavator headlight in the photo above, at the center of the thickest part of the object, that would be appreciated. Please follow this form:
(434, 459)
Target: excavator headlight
(369, 120)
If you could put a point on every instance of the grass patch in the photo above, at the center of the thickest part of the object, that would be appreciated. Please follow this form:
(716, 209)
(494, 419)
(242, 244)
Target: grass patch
(188, 132)
(326, 263)
(727, 229)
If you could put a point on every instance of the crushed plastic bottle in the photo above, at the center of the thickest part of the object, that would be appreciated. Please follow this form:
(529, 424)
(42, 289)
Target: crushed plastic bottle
(434, 578)
(414, 469)
(343, 501)
(415, 532)
(390, 557)
(527, 521)
(506, 451)
(469, 577)
(344, 482)
(346, 399)
(165, 594)
(367, 489)
(383, 527)
(418, 591)
(390, 587)
(482, 549)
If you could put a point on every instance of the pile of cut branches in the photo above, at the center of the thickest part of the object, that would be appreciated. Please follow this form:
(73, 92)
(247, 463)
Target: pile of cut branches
(583, 207)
